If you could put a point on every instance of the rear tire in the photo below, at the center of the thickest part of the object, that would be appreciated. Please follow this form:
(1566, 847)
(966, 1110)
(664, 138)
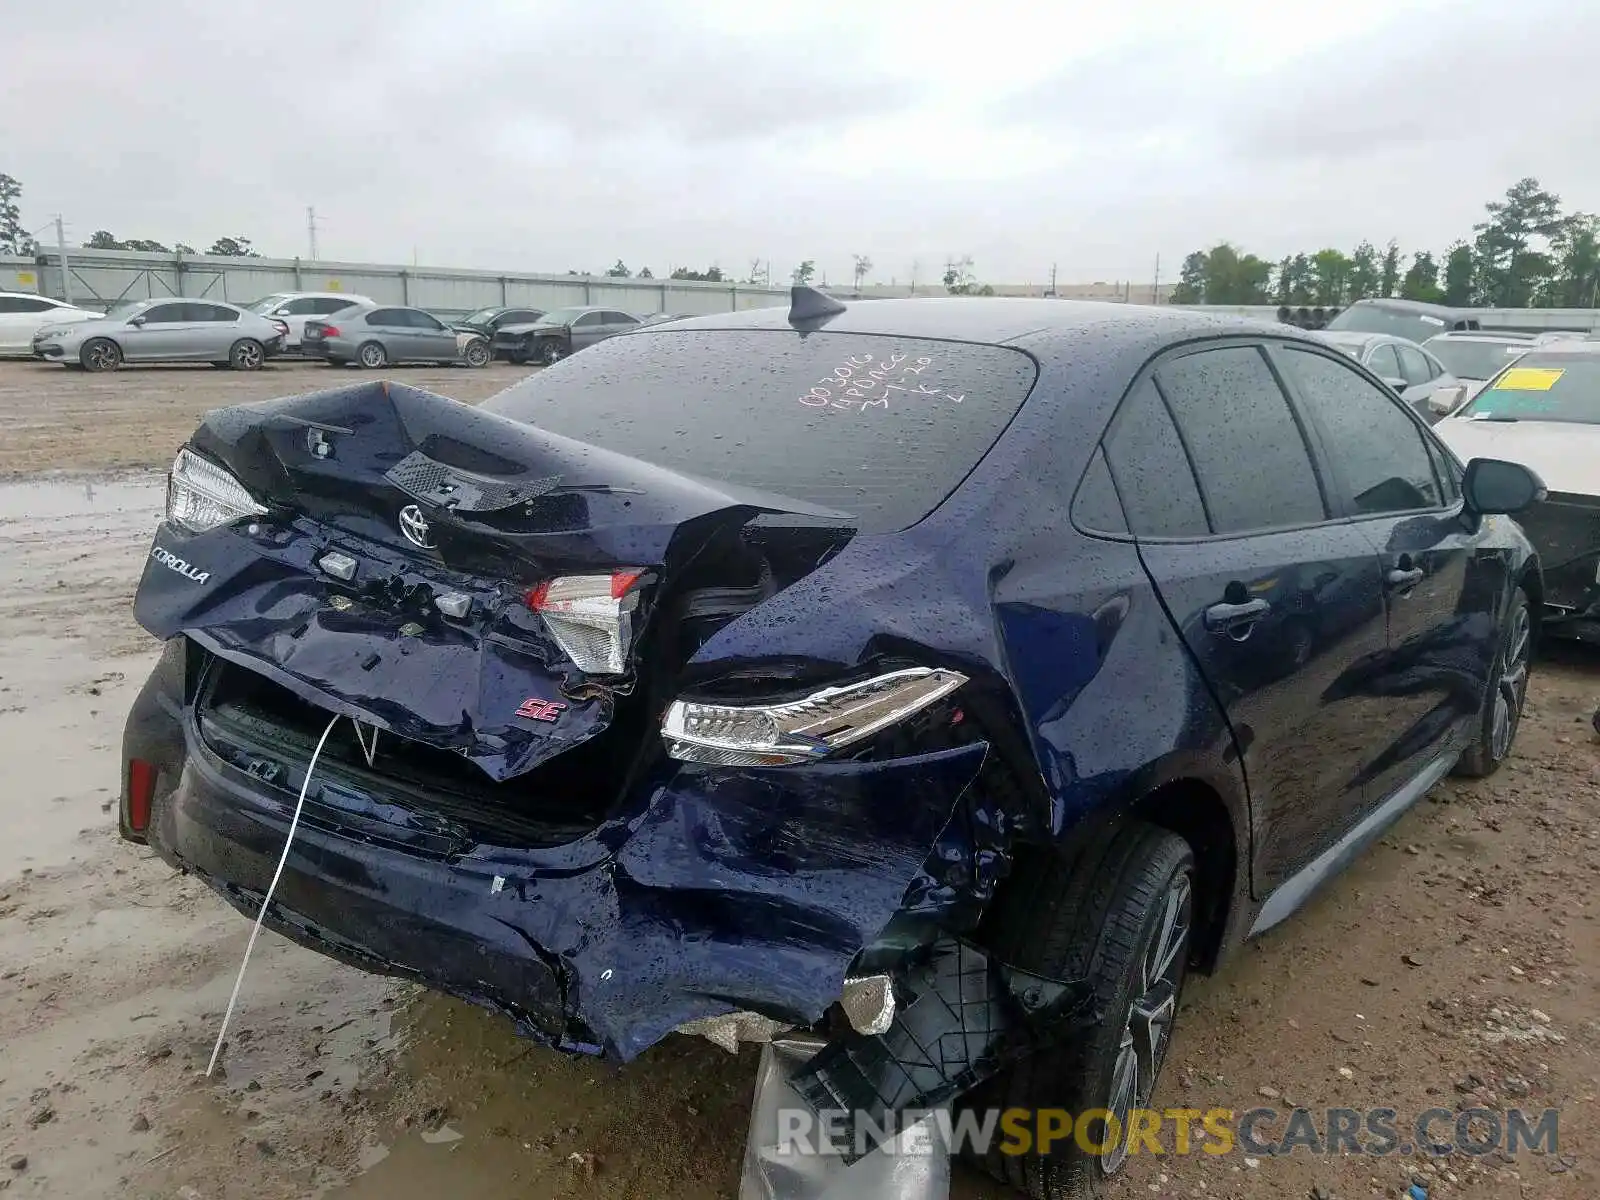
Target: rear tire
(100, 354)
(1507, 693)
(372, 356)
(247, 354)
(1122, 913)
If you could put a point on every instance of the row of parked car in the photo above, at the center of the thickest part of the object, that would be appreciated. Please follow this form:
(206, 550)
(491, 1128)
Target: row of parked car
(337, 327)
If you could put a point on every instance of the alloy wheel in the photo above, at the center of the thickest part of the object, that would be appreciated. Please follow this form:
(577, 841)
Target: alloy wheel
(1512, 689)
(1147, 1028)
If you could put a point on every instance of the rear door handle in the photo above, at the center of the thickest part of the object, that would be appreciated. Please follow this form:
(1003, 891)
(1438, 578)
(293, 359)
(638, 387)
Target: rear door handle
(1399, 580)
(1236, 618)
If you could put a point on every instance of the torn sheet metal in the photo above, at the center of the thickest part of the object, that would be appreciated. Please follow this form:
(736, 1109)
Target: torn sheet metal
(779, 1164)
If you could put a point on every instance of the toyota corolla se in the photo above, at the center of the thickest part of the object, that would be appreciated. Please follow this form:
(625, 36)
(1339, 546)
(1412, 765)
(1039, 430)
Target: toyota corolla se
(956, 672)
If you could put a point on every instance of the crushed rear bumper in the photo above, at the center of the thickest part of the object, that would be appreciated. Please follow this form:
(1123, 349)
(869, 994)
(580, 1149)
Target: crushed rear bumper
(708, 891)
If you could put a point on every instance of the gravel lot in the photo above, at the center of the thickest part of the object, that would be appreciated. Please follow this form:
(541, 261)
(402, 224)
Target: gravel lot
(1455, 964)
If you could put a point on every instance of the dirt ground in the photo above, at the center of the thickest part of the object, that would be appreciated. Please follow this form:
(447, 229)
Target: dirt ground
(1454, 965)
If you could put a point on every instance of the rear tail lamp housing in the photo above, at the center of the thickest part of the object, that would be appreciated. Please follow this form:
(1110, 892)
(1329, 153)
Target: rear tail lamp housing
(810, 728)
(590, 617)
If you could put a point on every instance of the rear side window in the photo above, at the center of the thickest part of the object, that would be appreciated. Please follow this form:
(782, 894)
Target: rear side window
(1151, 470)
(1414, 366)
(1382, 362)
(1373, 443)
(1251, 458)
(880, 428)
(1095, 508)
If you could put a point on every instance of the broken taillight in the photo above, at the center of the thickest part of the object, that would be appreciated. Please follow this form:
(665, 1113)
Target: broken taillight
(141, 792)
(590, 617)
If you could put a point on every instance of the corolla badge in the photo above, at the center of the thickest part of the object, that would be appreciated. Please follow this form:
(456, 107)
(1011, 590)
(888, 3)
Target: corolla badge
(415, 527)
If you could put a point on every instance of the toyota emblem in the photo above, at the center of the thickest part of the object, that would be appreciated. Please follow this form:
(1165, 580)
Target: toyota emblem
(415, 527)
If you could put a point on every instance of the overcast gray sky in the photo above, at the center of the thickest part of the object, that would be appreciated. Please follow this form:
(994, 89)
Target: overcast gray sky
(531, 135)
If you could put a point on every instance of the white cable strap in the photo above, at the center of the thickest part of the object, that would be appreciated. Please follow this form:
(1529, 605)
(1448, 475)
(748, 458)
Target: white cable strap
(294, 824)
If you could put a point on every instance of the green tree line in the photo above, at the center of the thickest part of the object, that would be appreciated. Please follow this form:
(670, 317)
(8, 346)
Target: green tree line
(1525, 253)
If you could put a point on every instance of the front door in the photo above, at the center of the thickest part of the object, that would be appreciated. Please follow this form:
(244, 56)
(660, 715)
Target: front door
(1404, 496)
(161, 335)
(1278, 604)
(588, 329)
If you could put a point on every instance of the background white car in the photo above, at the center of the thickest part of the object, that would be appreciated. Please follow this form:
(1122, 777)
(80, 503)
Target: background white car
(294, 309)
(22, 314)
(1543, 411)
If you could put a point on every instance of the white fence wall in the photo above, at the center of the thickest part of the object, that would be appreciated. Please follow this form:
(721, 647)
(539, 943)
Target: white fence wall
(99, 278)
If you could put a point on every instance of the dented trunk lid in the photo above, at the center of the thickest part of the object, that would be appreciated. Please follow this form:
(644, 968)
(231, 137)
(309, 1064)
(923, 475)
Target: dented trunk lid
(431, 499)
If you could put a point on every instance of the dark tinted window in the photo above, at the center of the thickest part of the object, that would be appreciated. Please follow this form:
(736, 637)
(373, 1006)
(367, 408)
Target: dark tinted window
(10, 304)
(23, 304)
(517, 316)
(1383, 363)
(1414, 366)
(166, 314)
(1375, 446)
(1151, 471)
(328, 305)
(1244, 441)
(619, 318)
(882, 428)
(209, 312)
(587, 319)
(1095, 508)
(387, 316)
(422, 320)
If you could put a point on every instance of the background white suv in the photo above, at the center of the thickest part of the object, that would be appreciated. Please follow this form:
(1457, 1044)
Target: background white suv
(23, 314)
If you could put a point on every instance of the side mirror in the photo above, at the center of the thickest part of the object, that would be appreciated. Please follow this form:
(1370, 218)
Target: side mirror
(1491, 485)
(281, 312)
(1398, 385)
(136, 321)
(1445, 400)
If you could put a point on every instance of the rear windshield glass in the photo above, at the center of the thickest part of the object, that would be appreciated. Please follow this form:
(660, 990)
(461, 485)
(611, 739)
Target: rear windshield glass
(1398, 322)
(1542, 387)
(882, 428)
(1474, 360)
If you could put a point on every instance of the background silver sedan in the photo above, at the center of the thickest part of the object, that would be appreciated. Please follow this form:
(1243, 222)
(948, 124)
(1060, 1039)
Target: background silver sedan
(375, 335)
(166, 330)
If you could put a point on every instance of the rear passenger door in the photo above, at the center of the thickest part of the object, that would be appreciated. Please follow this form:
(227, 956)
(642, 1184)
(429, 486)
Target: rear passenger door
(1278, 602)
(213, 330)
(1403, 493)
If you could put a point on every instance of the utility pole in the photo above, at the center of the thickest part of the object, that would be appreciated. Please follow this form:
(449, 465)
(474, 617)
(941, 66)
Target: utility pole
(66, 272)
(1155, 288)
(311, 230)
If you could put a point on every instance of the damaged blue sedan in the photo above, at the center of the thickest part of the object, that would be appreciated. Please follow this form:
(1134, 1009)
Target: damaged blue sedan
(949, 677)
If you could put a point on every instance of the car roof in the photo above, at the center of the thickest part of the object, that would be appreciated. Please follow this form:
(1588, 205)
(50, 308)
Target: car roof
(1420, 307)
(999, 320)
(1576, 348)
(1482, 335)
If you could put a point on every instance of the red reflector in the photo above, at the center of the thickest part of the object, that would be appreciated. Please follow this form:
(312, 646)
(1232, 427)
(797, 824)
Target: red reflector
(141, 790)
(538, 596)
